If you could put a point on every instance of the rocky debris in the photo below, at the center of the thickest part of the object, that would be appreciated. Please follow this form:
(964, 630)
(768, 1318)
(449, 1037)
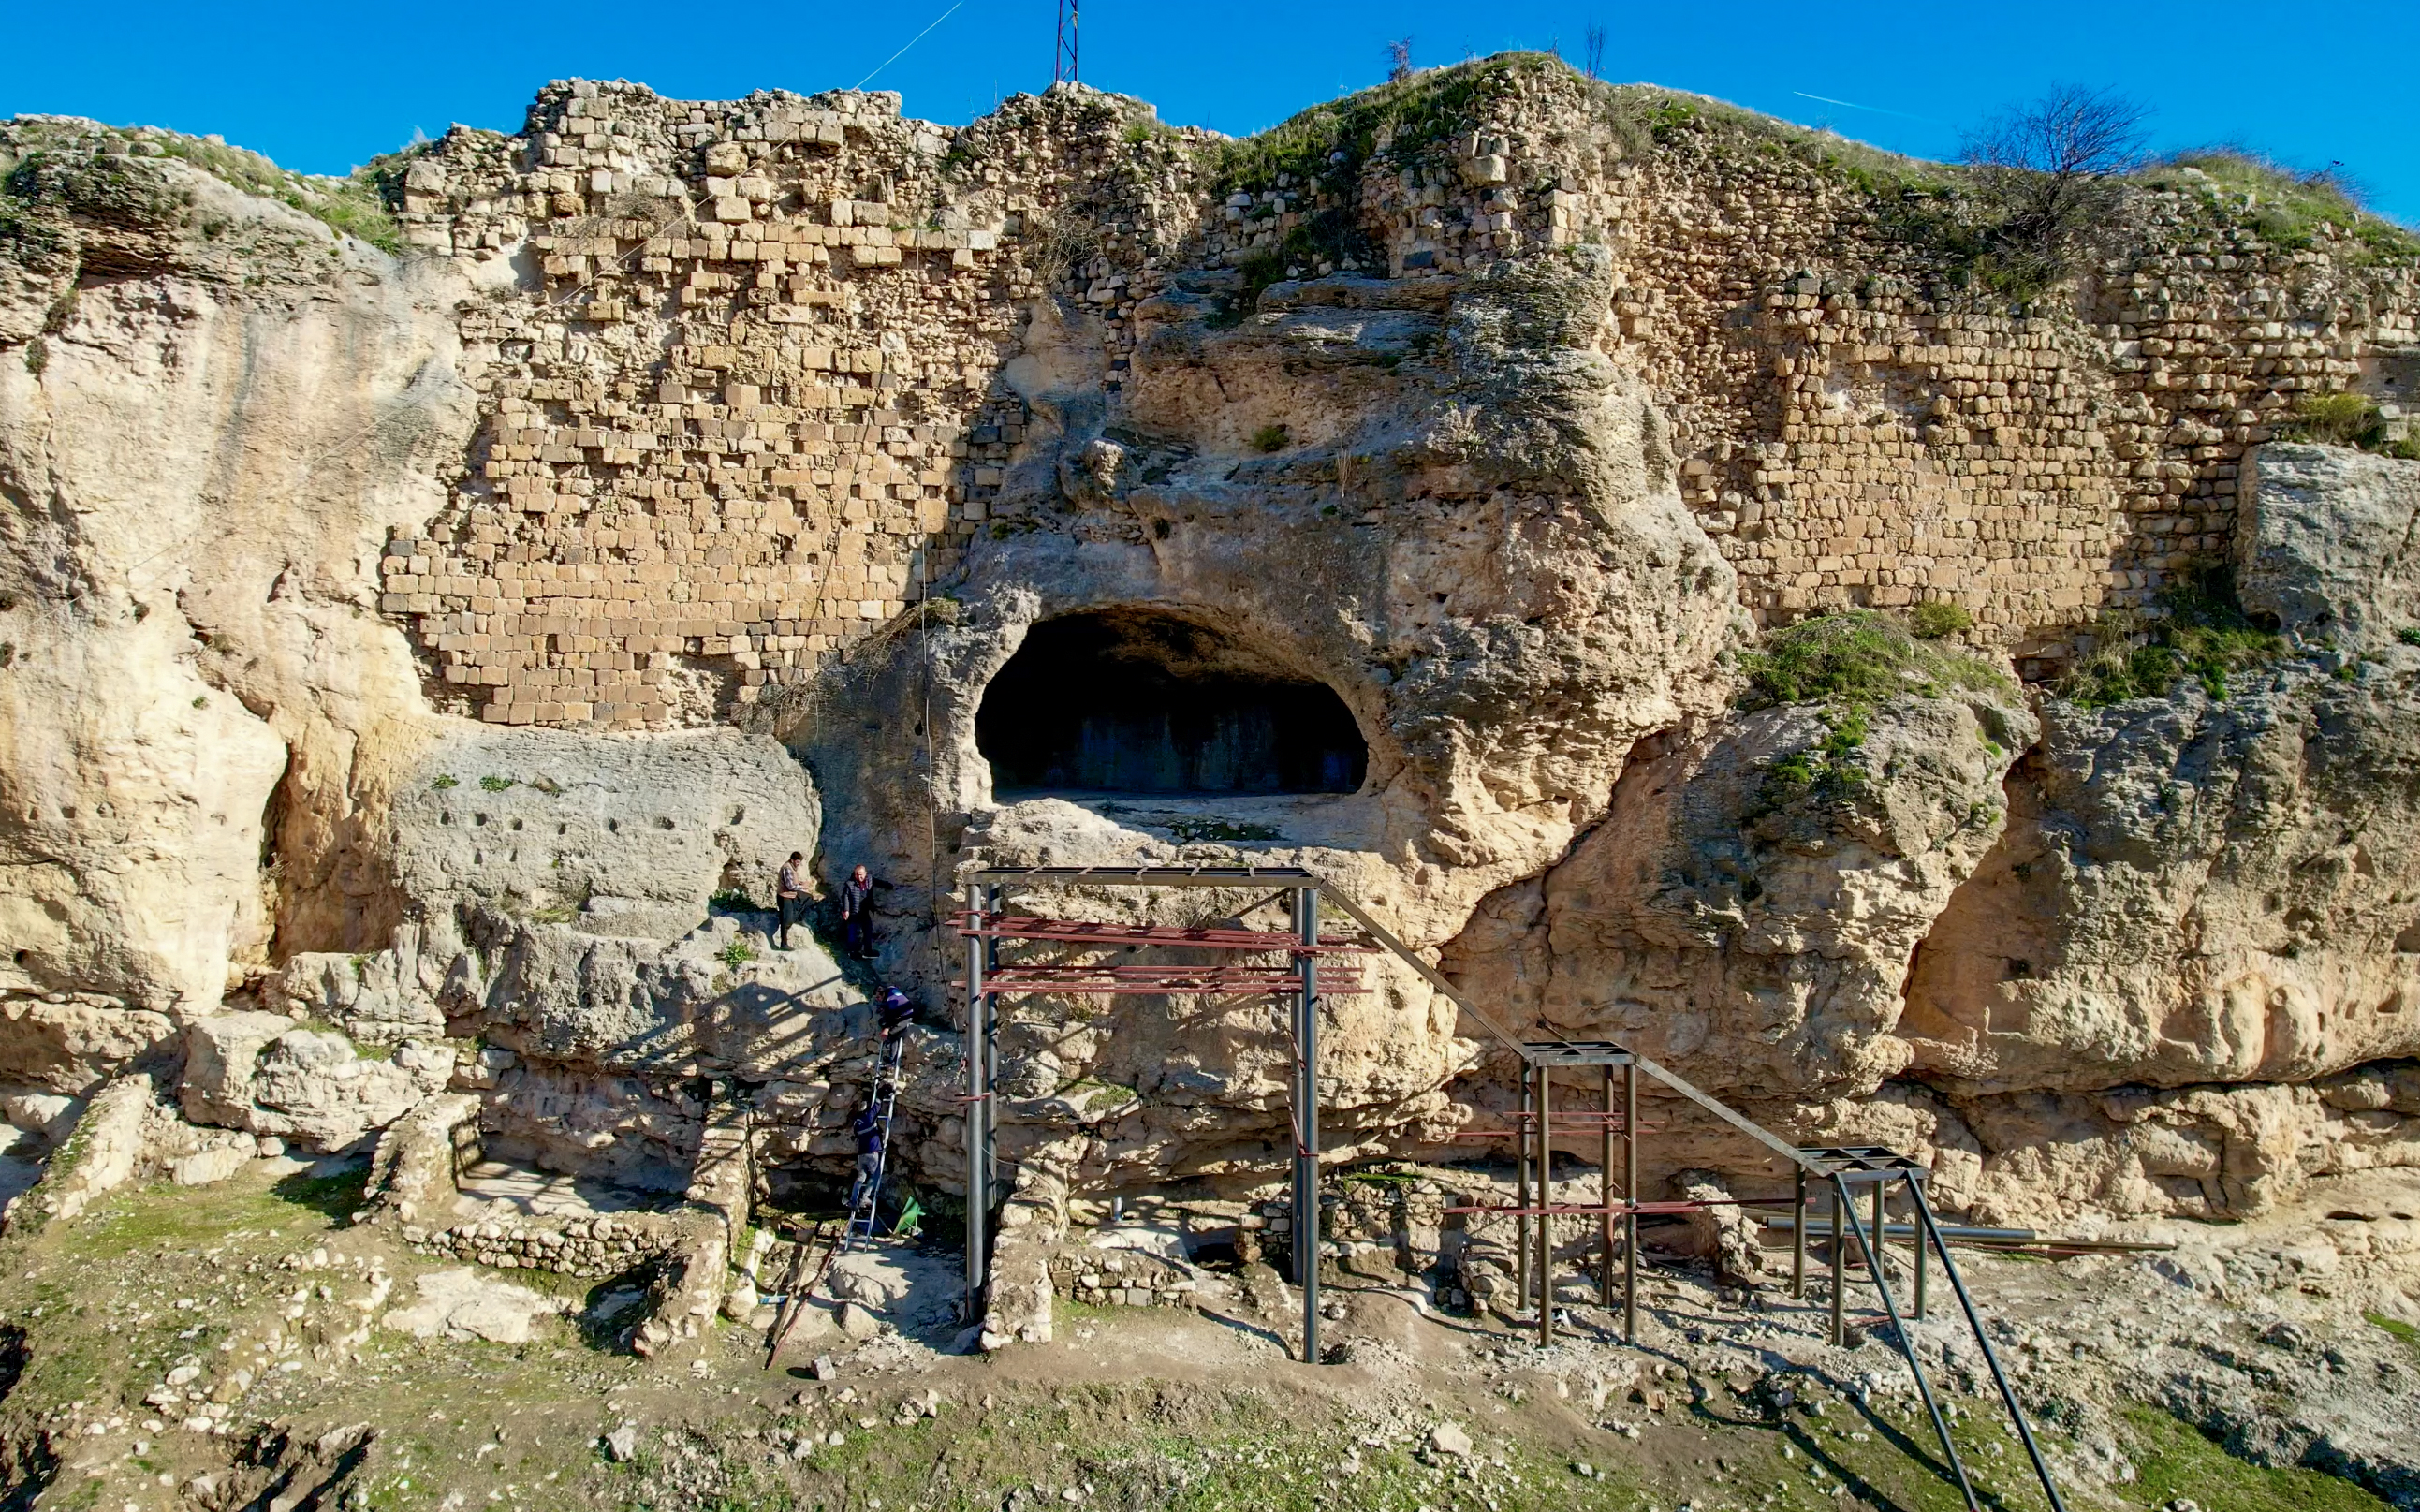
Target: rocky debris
(462, 1303)
(265, 1073)
(1449, 1439)
(415, 1167)
(216, 1164)
(1720, 1231)
(106, 1147)
(858, 1321)
(68, 1043)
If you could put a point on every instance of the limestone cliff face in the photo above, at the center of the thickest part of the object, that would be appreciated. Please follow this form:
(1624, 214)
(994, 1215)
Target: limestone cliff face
(203, 440)
(448, 646)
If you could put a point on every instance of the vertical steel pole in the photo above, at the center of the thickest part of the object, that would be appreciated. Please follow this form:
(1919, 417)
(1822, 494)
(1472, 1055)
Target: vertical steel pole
(1522, 1132)
(1798, 1236)
(1306, 1214)
(1915, 1231)
(1605, 1196)
(977, 1106)
(1874, 1255)
(1839, 1274)
(1545, 1204)
(990, 1058)
(1629, 1201)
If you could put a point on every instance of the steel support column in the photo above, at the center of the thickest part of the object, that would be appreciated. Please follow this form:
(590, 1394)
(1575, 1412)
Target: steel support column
(1916, 1233)
(1840, 1268)
(1306, 1203)
(1629, 1198)
(1545, 1205)
(1604, 1196)
(1873, 1253)
(1931, 1230)
(978, 1108)
(1798, 1235)
(1522, 1132)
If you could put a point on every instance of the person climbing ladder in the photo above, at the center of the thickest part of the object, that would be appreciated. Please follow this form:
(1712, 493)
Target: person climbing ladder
(873, 1124)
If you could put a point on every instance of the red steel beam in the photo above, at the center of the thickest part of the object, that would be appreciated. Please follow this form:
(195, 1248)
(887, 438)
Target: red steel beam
(1086, 932)
(1089, 981)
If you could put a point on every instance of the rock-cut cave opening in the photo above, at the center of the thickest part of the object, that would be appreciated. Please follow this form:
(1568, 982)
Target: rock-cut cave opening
(1133, 701)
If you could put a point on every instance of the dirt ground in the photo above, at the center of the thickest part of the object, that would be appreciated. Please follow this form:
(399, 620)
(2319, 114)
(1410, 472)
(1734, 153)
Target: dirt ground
(238, 1346)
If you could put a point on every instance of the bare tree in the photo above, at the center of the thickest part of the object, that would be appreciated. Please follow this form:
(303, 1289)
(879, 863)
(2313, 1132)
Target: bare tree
(1398, 61)
(2050, 167)
(1596, 51)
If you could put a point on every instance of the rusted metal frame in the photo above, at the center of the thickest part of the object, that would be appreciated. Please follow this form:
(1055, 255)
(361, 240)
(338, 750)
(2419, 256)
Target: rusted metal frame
(1906, 1340)
(1616, 1206)
(1290, 877)
(1991, 1358)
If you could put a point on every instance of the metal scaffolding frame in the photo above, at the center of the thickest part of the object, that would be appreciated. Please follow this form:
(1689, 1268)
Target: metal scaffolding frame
(1303, 983)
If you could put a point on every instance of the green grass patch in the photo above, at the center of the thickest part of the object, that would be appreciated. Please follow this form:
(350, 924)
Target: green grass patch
(358, 206)
(1858, 658)
(2347, 420)
(1940, 619)
(1848, 664)
(2173, 1459)
(2202, 633)
(2397, 1327)
(2282, 207)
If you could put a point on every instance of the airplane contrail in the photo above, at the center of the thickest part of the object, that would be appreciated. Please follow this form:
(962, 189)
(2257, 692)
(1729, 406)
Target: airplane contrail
(1853, 105)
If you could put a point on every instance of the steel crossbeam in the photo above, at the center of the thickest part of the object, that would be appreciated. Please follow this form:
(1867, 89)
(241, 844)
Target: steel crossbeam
(1088, 932)
(1107, 981)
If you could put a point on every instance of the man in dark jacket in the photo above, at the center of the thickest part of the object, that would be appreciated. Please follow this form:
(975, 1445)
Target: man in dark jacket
(857, 913)
(897, 1011)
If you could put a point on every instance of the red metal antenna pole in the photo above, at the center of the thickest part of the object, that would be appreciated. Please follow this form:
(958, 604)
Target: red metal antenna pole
(1063, 63)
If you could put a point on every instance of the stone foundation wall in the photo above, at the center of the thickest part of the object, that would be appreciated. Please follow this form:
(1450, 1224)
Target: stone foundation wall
(588, 1247)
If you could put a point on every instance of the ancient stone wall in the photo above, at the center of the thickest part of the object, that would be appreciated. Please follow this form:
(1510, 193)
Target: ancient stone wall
(756, 386)
(1859, 426)
(745, 402)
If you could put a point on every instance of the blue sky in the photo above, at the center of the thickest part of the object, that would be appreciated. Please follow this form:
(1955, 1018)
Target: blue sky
(323, 88)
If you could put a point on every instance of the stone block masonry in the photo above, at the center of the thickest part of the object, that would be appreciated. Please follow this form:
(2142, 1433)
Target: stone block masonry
(751, 393)
(748, 406)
